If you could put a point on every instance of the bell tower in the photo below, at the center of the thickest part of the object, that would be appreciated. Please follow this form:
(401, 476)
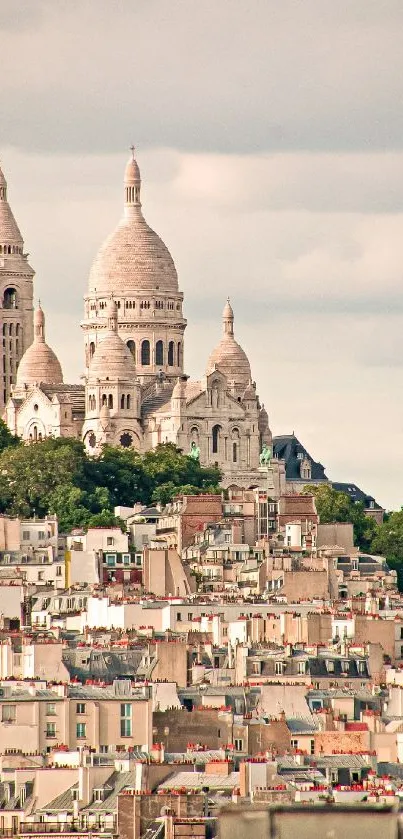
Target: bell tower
(16, 296)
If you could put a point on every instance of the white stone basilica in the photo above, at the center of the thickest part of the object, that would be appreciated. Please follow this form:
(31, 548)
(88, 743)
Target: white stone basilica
(136, 393)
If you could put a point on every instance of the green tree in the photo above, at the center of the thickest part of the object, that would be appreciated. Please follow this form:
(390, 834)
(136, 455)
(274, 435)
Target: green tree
(57, 476)
(7, 439)
(335, 506)
(106, 518)
(29, 474)
(168, 465)
(388, 542)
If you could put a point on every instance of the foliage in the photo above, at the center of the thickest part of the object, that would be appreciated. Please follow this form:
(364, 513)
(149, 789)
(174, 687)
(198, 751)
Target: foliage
(57, 476)
(7, 439)
(388, 542)
(335, 506)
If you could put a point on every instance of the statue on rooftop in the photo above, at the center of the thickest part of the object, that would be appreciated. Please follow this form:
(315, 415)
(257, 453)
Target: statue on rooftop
(265, 455)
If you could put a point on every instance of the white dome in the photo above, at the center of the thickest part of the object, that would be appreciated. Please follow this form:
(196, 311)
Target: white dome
(112, 359)
(228, 355)
(39, 364)
(133, 258)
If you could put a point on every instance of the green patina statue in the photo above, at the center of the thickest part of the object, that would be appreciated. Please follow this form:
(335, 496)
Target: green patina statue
(194, 451)
(265, 455)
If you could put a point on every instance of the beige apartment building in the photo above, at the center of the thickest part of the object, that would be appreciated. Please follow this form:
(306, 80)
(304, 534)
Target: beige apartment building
(35, 719)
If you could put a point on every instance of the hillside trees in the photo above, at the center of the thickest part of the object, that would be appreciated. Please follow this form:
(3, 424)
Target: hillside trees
(57, 476)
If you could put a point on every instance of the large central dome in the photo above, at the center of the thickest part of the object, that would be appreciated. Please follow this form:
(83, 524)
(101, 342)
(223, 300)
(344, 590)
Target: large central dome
(133, 258)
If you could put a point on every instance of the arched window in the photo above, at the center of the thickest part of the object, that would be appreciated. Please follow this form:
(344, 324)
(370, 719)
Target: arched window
(159, 353)
(216, 438)
(110, 401)
(179, 353)
(128, 401)
(104, 400)
(10, 299)
(145, 353)
(234, 452)
(92, 349)
(122, 401)
(132, 347)
(171, 349)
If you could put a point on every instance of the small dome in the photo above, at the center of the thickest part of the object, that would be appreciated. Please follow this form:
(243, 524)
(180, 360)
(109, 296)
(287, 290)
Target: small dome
(132, 171)
(112, 359)
(39, 364)
(133, 258)
(228, 312)
(229, 356)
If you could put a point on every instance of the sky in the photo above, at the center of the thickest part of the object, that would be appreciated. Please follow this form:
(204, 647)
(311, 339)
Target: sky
(269, 134)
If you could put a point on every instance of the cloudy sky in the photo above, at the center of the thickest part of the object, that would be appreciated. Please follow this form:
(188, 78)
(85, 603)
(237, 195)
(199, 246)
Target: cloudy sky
(270, 140)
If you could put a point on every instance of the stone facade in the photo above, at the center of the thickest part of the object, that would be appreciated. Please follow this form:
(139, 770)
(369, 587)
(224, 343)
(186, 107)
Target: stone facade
(136, 393)
(16, 290)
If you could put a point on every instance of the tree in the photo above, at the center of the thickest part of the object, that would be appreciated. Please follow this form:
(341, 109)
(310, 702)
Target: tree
(7, 439)
(56, 476)
(388, 542)
(335, 506)
(29, 474)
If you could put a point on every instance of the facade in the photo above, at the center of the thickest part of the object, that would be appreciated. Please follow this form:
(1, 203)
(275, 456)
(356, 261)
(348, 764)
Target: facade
(16, 294)
(135, 392)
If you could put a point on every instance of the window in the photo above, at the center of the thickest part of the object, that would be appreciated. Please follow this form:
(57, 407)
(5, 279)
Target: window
(8, 713)
(58, 570)
(330, 666)
(110, 540)
(238, 743)
(216, 438)
(294, 744)
(25, 535)
(80, 708)
(312, 747)
(159, 353)
(41, 575)
(41, 535)
(301, 668)
(50, 709)
(126, 719)
(178, 616)
(145, 353)
(279, 668)
(171, 350)
(81, 730)
(50, 729)
(126, 559)
(111, 560)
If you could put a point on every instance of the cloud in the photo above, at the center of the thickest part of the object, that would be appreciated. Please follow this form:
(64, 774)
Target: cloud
(89, 76)
(270, 141)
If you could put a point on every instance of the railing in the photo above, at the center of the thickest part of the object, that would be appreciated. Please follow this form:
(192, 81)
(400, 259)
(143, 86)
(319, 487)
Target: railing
(73, 829)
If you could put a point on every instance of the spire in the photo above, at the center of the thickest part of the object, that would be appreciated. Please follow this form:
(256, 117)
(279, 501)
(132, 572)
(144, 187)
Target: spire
(228, 319)
(112, 315)
(39, 325)
(132, 182)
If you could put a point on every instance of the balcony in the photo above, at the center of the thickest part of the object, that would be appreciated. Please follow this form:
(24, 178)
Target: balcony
(73, 829)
